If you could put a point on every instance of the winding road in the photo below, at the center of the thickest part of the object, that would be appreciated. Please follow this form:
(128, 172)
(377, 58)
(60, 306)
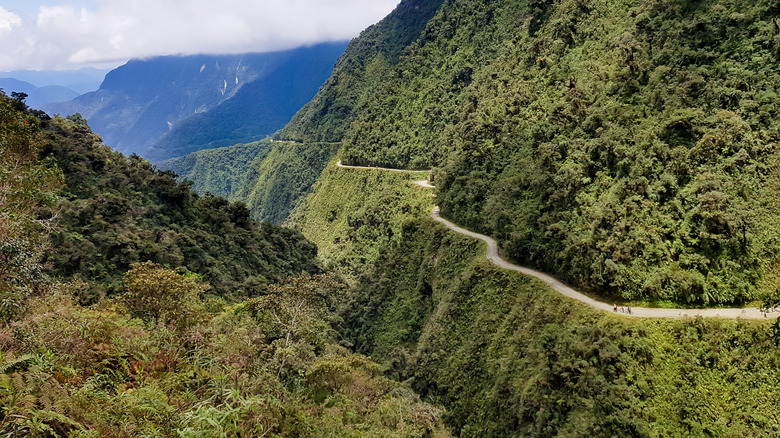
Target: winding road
(636, 312)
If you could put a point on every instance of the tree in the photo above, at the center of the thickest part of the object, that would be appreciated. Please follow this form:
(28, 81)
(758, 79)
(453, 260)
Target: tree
(293, 316)
(160, 295)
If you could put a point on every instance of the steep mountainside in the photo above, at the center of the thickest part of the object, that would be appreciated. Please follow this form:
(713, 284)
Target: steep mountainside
(629, 152)
(329, 114)
(119, 210)
(280, 179)
(165, 356)
(140, 102)
(626, 147)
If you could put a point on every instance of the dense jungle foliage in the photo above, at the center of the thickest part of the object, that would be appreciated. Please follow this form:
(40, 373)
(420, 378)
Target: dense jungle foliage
(222, 171)
(168, 355)
(507, 356)
(628, 147)
(118, 210)
(26, 184)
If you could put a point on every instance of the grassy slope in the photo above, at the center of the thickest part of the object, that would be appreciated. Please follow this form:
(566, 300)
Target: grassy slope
(353, 214)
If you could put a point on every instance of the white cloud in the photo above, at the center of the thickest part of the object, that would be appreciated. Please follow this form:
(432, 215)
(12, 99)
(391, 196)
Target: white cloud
(8, 21)
(116, 30)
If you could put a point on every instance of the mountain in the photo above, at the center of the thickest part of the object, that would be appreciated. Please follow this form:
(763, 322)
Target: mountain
(192, 339)
(628, 148)
(259, 107)
(142, 101)
(626, 160)
(37, 96)
(279, 179)
(82, 80)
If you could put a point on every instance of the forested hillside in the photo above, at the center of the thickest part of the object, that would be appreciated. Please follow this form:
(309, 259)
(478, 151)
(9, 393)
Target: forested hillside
(626, 148)
(178, 349)
(119, 210)
(281, 178)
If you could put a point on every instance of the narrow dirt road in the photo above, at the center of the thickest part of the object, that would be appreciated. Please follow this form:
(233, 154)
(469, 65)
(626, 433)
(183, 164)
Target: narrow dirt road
(636, 312)
(386, 169)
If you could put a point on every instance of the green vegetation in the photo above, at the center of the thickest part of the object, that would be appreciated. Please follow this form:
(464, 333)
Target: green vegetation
(623, 146)
(277, 181)
(245, 370)
(170, 355)
(26, 183)
(120, 210)
(354, 214)
(270, 177)
(330, 112)
(629, 148)
(222, 171)
(507, 356)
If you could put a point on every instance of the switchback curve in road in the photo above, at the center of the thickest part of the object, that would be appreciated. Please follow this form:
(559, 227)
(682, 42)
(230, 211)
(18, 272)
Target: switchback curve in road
(637, 312)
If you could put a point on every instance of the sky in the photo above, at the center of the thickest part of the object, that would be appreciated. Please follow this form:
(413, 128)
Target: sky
(65, 35)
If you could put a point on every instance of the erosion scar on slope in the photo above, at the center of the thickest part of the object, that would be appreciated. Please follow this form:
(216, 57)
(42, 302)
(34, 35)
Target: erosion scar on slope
(637, 312)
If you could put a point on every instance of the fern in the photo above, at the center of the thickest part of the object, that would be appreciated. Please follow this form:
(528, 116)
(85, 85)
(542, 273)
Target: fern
(8, 365)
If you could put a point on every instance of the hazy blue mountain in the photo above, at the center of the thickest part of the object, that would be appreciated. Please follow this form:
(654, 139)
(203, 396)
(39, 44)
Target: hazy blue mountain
(81, 81)
(217, 100)
(37, 96)
(258, 109)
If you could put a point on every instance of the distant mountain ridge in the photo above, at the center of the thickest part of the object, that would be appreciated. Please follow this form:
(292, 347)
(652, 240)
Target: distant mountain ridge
(37, 96)
(143, 100)
(81, 81)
